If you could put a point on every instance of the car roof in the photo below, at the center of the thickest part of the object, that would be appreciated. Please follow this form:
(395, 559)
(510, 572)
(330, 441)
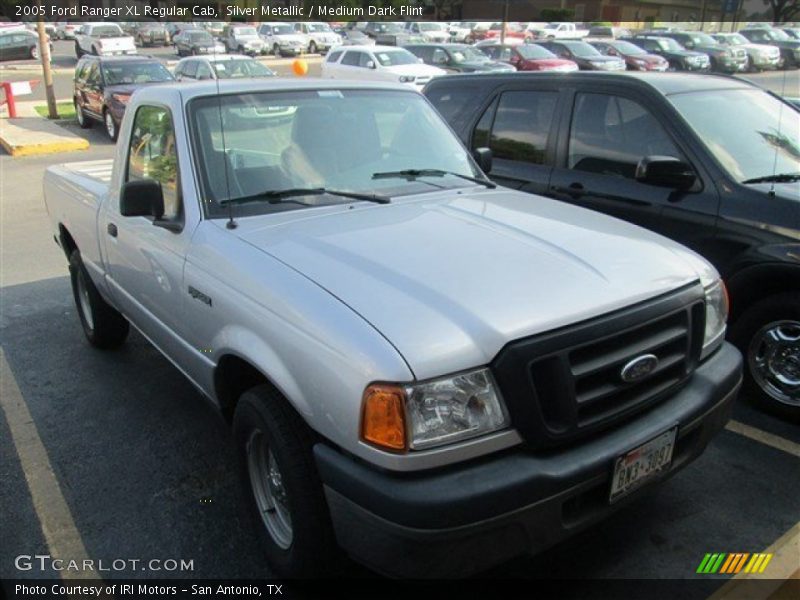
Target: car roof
(375, 48)
(664, 83)
(216, 57)
(122, 58)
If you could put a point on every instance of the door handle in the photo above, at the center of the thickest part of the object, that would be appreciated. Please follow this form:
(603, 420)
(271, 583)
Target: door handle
(574, 190)
(112, 230)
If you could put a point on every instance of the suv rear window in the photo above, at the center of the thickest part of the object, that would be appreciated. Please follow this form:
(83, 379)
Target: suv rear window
(334, 56)
(522, 125)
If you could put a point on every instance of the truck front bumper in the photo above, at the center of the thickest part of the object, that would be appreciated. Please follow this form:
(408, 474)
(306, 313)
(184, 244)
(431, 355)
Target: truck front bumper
(466, 518)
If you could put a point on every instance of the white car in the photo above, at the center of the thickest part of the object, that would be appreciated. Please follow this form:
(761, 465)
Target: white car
(430, 30)
(222, 66)
(243, 39)
(378, 63)
(282, 39)
(103, 39)
(460, 30)
(759, 56)
(66, 30)
(320, 36)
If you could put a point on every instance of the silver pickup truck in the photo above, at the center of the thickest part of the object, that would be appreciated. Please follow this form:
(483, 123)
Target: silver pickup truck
(429, 372)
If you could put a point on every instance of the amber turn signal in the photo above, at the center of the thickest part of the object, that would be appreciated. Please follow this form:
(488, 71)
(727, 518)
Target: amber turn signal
(383, 418)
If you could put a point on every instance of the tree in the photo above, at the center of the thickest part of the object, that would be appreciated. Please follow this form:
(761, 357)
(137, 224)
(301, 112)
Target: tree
(783, 10)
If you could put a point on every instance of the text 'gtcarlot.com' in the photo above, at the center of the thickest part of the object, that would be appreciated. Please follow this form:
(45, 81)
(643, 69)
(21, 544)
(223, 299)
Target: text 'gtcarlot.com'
(44, 562)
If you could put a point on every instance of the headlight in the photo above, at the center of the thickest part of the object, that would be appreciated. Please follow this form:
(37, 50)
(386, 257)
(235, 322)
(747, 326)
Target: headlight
(433, 413)
(716, 317)
(407, 78)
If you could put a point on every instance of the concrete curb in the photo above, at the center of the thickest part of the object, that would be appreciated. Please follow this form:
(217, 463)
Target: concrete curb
(30, 136)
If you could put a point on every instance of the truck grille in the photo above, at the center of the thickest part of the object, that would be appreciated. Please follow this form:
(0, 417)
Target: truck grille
(567, 384)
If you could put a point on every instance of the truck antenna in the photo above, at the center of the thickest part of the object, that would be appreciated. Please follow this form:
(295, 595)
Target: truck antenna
(780, 124)
(231, 224)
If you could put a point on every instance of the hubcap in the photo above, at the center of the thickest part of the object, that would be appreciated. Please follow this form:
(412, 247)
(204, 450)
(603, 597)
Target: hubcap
(269, 491)
(79, 114)
(774, 359)
(111, 128)
(83, 297)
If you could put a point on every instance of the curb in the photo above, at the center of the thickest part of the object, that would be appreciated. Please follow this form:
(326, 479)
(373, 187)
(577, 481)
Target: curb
(32, 136)
(44, 147)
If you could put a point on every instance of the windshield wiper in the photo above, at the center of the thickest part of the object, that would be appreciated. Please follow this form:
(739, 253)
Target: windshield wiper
(278, 196)
(411, 174)
(778, 178)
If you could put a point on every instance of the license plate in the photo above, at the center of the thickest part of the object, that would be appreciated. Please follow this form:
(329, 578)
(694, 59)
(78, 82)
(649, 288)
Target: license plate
(635, 468)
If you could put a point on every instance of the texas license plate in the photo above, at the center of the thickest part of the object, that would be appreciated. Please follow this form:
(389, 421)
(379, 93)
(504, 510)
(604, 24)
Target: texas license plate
(635, 468)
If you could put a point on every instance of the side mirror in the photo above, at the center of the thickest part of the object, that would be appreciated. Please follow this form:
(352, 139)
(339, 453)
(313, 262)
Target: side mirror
(483, 156)
(665, 171)
(142, 198)
(371, 64)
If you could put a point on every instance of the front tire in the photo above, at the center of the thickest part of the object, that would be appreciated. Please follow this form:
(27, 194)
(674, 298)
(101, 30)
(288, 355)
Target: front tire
(312, 48)
(34, 53)
(276, 50)
(103, 326)
(284, 491)
(768, 334)
(111, 125)
(80, 116)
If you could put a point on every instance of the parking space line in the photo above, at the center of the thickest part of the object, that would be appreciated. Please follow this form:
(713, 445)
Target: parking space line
(783, 558)
(763, 437)
(62, 536)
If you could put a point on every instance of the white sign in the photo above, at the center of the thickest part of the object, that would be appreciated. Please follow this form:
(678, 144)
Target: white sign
(21, 88)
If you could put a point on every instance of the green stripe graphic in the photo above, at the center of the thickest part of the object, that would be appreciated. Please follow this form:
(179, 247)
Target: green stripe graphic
(702, 567)
(717, 564)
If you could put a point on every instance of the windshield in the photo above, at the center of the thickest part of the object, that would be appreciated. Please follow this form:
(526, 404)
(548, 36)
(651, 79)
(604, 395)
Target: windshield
(241, 67)
(318, 27)
(336, 139)
(583, 50)
(669, 45)
(199, 37)
(468, 54)
(628, 48)
(394, 58)
(244, 31)
(117, 73)
(281, 30)
(107, 31)
(735, 39)
(764, 140)
(534, 52)
(703, 39)
(778, 35)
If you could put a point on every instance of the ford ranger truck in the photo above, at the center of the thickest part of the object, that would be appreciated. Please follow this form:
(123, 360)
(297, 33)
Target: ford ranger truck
(422, 370)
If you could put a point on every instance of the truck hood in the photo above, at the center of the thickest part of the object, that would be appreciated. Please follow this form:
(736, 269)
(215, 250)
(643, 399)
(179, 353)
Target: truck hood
(450, 278)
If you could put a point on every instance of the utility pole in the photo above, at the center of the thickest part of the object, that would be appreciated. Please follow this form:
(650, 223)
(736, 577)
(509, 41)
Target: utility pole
(44, 55)
(505, 21)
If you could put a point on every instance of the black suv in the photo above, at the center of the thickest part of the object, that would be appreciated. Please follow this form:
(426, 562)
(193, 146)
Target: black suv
(679, 58)
(709, 161)
(104, 84)
(725, 59)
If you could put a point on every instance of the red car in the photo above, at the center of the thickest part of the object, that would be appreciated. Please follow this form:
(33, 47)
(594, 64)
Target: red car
(528, 57)
(511, 32)
(636, 59)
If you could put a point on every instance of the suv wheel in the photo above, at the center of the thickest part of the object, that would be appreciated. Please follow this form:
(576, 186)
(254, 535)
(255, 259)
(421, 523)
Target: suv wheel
(276, 50)
(312, 47)
(35, 52)
(111, 125)
(768, 334)
(273, 446)
(80, 116)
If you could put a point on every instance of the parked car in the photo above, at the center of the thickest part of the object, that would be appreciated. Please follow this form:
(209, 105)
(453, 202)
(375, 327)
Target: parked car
(709, 161)
(460, 30)
(378, 63)
(431, 31)
(415, 363)
(243, 39)
(760, 56)
(789, 48)
(636, 58)
(387, 33)
(584, 55)
(569, 31)
(356, 37)
(528, 57)
(66, 30)
(320, 36)
(678, 57)
(512, 31)
(792, 32)
(724, 58)
(151, 33)
(197, 41)
(282, 39)
(19, 44)
(103, 87)
(222, 66)
(103, 39)
(215, 28)
(607, 31)
(456, 58)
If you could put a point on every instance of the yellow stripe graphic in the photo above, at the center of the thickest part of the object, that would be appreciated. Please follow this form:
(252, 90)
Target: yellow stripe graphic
(749, 566)
(741, 562)
(757, 564)
(767, 558)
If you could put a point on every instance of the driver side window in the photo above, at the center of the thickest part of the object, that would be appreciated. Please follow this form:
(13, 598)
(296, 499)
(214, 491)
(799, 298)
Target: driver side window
(153, 155)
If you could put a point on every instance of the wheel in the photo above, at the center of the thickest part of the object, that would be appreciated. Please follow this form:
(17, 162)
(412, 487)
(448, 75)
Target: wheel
(34, 52)
(768, 334)
(103, 326)
(94, 51)
(273, 445)
(111, 125)
(276, 50)
(78, 51)
(81, 117)
(194, 52)
(312, 47)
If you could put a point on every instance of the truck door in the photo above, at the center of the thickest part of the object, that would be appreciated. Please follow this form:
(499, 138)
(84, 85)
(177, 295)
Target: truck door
(145, 261)
(607, 137)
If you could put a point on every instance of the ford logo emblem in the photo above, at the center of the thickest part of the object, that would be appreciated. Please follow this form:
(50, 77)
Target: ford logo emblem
(639, 368)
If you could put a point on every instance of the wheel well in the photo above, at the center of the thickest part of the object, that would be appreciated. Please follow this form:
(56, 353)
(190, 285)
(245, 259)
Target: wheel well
(233, 377)
(68, 244)
(756, 283)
